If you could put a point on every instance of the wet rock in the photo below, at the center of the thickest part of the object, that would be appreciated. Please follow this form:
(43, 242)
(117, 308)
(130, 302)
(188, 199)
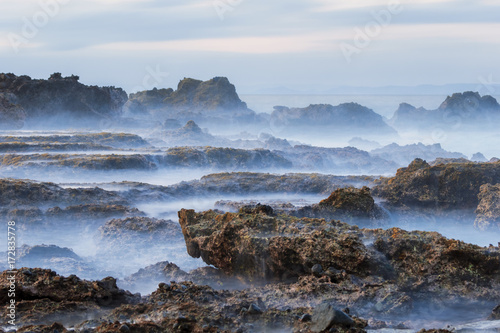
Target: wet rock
(54, 328)
(26, 193)
(441, 187)
(325, 316)
(41, 293)
(488, 210)
(90, 140)
(137, 232)
(257, 245)
(347, 204)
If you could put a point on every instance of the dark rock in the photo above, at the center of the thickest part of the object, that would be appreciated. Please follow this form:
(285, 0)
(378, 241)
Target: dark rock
(306, 317)
(317, 270)
(347, 204)
(254, 309)
(325, 316)
(443, 186)
(495, 314)
(12, 116)
(59, 101)
(259, 246)
(488, 210)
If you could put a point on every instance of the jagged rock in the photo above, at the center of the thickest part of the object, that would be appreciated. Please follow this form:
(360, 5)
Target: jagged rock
(488, 210)
(213, 102)
(59, 101)
(443, 186)
(250, 244)
(258, 244)
(40, 293)
(214, 94)
(459, 111)
(347, 204)
(327, 119)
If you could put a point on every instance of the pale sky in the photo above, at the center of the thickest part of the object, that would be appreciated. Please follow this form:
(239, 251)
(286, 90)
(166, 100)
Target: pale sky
(311, 45)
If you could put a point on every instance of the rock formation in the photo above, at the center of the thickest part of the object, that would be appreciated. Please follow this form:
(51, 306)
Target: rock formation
(348, 118)
(346, 204)
(442, 186)
(457, 112)
(213, 102)
(488, 210)
(403, 155)
(61, 101)
(11, 115)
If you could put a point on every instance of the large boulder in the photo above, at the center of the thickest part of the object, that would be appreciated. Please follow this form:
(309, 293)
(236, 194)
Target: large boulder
(257, 244)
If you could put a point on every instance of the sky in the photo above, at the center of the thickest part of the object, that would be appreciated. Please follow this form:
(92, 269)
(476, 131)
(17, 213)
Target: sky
(302, 45)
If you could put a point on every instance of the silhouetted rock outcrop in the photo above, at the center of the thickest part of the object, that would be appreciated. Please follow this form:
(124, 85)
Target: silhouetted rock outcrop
(458, 111)
(213, 102)
(61, 101)
(403, 155)
(348, 118)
